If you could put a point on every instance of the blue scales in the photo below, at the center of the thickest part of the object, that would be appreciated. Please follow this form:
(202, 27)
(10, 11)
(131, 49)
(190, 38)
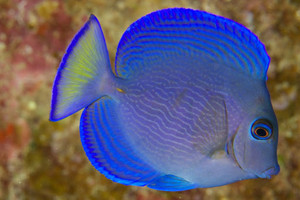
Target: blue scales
(186, 105)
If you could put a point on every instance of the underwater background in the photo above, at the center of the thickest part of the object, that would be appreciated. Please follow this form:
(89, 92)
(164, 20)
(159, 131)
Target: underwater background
(45, 160)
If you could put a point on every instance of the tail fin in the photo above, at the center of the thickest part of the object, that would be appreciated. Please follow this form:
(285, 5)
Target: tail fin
(83, 72)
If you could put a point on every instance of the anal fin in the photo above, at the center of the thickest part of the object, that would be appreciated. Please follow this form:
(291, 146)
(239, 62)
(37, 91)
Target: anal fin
(109, 151)
(107, 147)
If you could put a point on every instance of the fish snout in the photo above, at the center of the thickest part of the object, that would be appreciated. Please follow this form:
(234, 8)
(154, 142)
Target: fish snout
(270, 171)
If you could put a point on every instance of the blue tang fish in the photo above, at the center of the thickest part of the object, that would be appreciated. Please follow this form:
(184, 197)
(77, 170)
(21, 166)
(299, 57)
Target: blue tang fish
(185, 106)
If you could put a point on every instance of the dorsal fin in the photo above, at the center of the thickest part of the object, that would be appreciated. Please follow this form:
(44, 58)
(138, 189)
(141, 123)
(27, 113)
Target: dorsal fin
(179, 33)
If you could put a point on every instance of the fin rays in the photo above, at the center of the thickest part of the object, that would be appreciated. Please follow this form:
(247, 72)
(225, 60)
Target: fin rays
(106, 146)
(179, 33)
(85, 63)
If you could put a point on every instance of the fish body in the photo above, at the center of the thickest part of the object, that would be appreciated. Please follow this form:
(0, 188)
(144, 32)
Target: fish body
(186, 106)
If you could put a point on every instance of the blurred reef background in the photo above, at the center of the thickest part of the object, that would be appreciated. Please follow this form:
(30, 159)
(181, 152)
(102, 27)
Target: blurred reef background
(45, 160)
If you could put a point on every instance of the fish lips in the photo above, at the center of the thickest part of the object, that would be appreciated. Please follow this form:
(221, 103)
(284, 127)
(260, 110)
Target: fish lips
(269, 172)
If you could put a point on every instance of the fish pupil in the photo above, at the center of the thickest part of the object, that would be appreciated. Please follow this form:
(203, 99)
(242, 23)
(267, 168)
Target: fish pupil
(261, 132)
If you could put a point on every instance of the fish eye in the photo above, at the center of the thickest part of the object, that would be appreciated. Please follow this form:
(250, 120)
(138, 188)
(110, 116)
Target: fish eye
(261, 129)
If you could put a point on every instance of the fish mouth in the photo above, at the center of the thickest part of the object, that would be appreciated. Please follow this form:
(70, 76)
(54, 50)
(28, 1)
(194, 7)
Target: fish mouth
(269, 172)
